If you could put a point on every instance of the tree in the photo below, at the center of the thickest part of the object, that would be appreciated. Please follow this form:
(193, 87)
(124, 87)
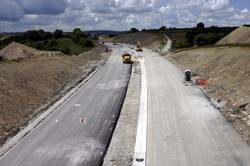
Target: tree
(65, 50)
(89, 43)
(52, 45)
(134, 30)
(201, 40)
(163, 28)
(1, 43)
(212, 38)
(58, 34)
(82, 41)
(200, 25)
(47, 35)
(112, 35)
(38, 45)
(33, 35)
(77, 30)
(41, 33)
(77, 34)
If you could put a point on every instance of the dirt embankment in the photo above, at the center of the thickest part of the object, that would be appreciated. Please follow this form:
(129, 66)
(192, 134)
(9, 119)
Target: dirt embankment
(228, 73)
(239, 36)
(31, 84)
(17, 51)
(149, 40)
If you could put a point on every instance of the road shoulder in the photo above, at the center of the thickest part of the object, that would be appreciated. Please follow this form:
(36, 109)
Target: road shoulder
(121, 149)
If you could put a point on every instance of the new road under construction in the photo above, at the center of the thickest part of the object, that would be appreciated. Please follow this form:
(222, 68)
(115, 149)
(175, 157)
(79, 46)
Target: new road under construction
(135, 110)
(78, 130)
(177, 123)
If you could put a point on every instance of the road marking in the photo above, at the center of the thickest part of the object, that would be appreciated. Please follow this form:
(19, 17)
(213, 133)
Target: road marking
(77, 105)
(141, 137)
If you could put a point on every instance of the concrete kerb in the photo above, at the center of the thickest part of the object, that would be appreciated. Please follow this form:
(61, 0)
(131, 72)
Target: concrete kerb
(212, 101)
(141, 137)
(18, 137)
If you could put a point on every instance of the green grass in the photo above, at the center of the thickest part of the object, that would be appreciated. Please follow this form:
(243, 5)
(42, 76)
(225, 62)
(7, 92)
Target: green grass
(74, 49)
(178, 38)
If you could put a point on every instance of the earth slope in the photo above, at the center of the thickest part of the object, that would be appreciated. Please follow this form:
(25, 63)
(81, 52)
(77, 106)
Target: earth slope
(238, 36)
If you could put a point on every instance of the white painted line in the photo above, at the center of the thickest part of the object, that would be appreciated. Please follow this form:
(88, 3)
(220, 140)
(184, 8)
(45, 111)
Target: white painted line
(141, 137)
(77, 105)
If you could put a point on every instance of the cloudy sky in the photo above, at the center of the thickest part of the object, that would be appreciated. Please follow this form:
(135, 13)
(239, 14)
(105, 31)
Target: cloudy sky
(21, 15)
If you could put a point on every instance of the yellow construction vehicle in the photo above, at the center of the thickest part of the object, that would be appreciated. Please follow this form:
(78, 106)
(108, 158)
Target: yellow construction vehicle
(139, 47)
(127, 59)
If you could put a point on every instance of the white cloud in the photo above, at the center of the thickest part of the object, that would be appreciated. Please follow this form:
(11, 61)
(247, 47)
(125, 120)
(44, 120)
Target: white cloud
(165, 9)
(215, 4)
(31, 16)
(244, 10)
(118, 14)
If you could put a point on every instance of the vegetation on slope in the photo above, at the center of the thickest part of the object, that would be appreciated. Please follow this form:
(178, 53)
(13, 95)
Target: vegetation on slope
(197, 36)
(69, 43)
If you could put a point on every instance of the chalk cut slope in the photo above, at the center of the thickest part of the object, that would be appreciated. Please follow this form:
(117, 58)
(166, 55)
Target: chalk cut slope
(239, 36)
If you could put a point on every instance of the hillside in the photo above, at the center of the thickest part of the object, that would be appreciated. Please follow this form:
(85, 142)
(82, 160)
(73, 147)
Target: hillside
(70, 43)
(228, 73)
(239, 36)
(16, 51)
(73, 48)
(33, 83)
(149, 40)
(179, 39)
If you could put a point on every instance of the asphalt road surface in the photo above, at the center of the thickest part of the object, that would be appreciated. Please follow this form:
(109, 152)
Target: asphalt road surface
(77, 134)
(184, 129)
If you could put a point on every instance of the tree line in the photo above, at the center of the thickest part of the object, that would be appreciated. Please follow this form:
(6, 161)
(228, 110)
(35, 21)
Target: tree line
(49, 41)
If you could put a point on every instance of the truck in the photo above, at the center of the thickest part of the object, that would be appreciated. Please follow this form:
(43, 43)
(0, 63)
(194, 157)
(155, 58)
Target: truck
(127, 59)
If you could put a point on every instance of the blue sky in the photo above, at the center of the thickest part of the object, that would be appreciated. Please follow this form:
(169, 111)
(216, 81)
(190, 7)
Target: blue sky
(21, 15)
(240, 4)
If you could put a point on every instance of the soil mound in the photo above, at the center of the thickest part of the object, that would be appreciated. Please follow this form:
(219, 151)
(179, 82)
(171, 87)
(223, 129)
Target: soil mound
(238, 36)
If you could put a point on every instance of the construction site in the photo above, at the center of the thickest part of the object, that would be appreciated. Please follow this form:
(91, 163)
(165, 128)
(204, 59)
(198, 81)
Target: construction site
(176, 95)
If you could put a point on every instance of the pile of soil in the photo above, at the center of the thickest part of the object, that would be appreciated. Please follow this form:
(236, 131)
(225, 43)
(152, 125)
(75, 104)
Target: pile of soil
(228, 73)
(15, 51)
(30, 84)
(239, 36)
